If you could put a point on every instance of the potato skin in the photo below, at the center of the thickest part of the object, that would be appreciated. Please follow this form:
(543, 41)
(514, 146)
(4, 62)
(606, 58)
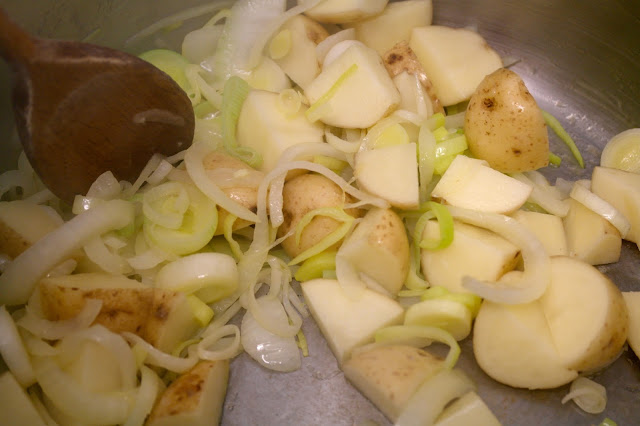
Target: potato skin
(246, 196)
(504, 125)
(303, 194)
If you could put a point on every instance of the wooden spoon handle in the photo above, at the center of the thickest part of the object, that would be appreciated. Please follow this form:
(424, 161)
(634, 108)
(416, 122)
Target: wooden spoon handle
(16, 46)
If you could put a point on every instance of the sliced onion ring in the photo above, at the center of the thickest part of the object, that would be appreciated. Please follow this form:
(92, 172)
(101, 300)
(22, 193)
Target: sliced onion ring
(537, 267)
(591, 201)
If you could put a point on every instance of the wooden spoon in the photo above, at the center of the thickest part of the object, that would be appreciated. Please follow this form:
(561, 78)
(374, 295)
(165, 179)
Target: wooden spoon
(82, 109)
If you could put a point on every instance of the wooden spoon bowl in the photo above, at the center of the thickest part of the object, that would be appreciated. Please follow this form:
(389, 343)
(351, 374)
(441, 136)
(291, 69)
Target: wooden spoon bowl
(82, 110)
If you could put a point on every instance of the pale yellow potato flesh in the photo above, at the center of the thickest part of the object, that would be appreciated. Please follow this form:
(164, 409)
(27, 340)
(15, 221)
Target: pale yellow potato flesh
(301, 61)
(391, 173)
(470, 183)
(347, 322)
(547, 228)
(590, 237)
(389, 374)
(445, 54)
(474, 252)
(379, 249)
(195, 398)
(513, 345)
(264, 127)
(363, 97)
(467, 410)
(23, 223)
(586, 314)
(504, 125)
(394, 24)
(622, 190)
(632, 300)
(345, 11)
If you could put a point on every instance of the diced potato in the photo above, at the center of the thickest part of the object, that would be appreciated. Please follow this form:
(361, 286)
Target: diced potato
(390, 172)
(389, 375)
(472, 184)
(23, 223)
(513, 345)
(347, 323)
(264, 127)
(345, 11)
(632, 300)
(586, 314)
(379, 249)
(474, 252)
(622, 190)
(301, 61)
(590, 237)
(504, 125)
(469, 409)
(15, 405)
(303, 194)
(548, 228)
(363, 97)
(161, 317)
(445, 54)
(394, 24)
(194, 398)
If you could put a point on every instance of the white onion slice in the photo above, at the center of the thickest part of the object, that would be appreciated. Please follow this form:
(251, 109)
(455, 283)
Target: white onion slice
(214, 347)
(325, 45)
(106, 187)
(432, 396)
(161, 359)
(533, 282)
(588, 395)
(98, 253)
(20, 277)
(195, 168)
(53, 330)
(546, 197)
(270, 350)
(13, 350)
(150, 387)
(75, 401)
(112, 342)
(601, 207)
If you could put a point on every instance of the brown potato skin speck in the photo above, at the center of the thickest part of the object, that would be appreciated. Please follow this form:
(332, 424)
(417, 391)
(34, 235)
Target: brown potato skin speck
(504, 125)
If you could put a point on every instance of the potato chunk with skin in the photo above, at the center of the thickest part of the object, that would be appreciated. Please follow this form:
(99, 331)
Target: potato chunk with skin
(194, 398)
(586, 314)
(23, 223)
(161, 317)
(238, 180)
(379, 249)
(513, 345)
(504, 125)
(301, 61)
(390, 374)
(632, 300)
(600, 245)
